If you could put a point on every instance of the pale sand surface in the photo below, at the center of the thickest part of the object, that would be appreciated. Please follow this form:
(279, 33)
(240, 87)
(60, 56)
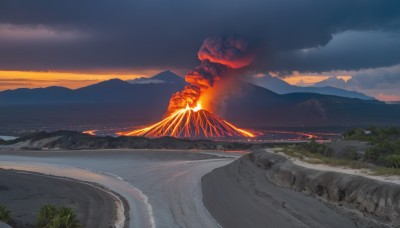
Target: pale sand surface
(162, 187)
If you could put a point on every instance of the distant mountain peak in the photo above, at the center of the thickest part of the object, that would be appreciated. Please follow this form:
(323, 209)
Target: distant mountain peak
(162, 77)
(114, 80)
(111, 83)
(272, 83)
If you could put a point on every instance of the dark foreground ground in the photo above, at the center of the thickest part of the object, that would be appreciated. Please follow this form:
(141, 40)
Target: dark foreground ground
(24, 194)
(239, 195)
(236, 192)
(263, 189)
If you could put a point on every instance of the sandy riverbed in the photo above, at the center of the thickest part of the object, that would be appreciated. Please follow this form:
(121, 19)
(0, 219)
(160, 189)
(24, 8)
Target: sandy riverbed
(162, 187)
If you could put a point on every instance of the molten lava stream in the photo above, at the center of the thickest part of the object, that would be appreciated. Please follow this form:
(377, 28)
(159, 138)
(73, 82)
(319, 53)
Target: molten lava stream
(191, 123)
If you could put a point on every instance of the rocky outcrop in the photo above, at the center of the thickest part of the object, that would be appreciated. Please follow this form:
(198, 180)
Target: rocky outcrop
(367, 197)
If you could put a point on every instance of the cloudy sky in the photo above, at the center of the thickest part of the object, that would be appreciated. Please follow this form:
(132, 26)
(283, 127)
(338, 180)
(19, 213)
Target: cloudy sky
(74, 43)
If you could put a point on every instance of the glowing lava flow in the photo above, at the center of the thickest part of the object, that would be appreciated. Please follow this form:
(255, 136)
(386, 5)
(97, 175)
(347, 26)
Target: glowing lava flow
(90, 132)
(191, 122)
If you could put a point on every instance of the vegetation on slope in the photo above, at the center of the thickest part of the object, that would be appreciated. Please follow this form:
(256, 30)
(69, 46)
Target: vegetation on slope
(51, 216)
(381, 155)
(5, 214)
(385, 150)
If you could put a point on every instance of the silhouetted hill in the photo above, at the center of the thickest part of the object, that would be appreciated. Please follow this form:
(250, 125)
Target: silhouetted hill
(169, 77)
(47, 95)
(111, 91)
(260, 107)
(163, 77)
(112, 84)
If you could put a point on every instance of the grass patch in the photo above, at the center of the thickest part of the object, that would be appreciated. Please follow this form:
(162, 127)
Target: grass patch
(383, 171)
(5, 214)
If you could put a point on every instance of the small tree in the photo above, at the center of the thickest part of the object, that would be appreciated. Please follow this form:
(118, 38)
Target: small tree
(5, 214)
(353, 154)
(315, 148)
(51, 216)
(393, 160)
(46, 214)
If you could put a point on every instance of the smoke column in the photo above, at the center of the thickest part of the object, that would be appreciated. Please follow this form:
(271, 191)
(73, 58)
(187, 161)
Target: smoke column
(217, 55)
(187, 115)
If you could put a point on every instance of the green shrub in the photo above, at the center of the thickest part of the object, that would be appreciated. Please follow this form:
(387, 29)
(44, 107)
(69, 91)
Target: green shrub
(380, 150)
(353, 155)
(5, 214)
(329, 152)
(46, 214)
(312, 147)
(376, 134)
(392, 161)
(51, 216)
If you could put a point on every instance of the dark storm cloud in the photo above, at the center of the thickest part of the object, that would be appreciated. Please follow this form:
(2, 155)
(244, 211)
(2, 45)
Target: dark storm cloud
(377, 78)
(350, 50)
(382, 83)
(168, 34)
(384, 78)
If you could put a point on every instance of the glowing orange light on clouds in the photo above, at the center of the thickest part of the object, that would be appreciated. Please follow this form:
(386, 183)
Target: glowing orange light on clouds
(304, 80)
(299, 79)
(386, 97)
(90, 132)
(345, 77)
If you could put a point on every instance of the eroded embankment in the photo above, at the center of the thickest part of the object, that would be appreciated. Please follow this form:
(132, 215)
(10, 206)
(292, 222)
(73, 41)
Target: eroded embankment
(239, 195)
(369, 200)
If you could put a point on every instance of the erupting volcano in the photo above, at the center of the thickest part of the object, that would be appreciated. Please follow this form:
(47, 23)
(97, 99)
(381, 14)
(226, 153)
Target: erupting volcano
(191, 122)
(189, 113)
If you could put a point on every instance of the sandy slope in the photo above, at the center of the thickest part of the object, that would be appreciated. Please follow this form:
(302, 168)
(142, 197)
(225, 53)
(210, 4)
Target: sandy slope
(239, 195)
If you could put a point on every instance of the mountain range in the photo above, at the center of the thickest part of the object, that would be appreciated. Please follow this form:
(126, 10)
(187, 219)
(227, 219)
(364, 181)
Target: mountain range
(280, 86)
(110, 91)
(117, 102)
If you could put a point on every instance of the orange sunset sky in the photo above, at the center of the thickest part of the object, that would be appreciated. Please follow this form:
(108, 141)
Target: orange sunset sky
(73, 80)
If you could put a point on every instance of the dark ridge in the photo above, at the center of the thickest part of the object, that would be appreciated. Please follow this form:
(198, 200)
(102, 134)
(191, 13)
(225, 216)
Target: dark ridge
(72, 140)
